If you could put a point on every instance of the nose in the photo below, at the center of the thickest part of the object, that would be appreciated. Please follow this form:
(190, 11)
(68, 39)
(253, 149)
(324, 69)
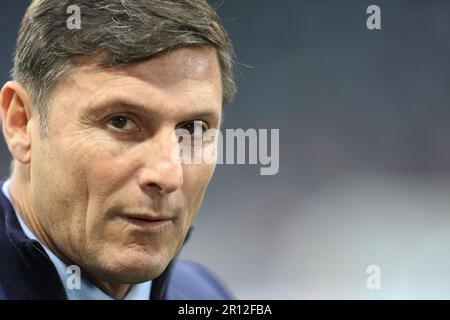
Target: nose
(160, 170)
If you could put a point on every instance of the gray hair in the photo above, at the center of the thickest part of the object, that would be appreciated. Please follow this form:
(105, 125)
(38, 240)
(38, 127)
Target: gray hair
(118, 32)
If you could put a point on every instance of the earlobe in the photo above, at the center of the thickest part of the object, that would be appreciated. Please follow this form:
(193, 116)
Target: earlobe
(16, 108)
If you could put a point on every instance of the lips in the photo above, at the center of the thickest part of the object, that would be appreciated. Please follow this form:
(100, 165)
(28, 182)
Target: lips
(147, 221)
(147, 217)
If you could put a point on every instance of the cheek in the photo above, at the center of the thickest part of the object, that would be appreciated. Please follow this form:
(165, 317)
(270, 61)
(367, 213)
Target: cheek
(73, 171)
(195, 182)
(101, 162)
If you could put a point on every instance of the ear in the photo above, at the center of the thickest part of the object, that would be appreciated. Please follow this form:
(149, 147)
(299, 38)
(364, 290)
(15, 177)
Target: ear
(16, 110)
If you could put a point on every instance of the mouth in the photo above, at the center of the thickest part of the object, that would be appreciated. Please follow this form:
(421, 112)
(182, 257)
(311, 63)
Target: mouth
(148, 222)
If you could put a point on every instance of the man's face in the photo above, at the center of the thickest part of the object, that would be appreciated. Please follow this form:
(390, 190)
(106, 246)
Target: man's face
(106, 168)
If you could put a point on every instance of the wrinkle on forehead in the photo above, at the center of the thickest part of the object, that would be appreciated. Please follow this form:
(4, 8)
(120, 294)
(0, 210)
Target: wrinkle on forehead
(188, 63)
(190, 71)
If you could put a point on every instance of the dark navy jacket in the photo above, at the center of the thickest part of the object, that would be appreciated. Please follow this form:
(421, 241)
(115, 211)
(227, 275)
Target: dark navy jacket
(26, 271)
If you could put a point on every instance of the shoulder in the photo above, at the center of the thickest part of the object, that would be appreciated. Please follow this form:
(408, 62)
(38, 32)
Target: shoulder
(192, 281)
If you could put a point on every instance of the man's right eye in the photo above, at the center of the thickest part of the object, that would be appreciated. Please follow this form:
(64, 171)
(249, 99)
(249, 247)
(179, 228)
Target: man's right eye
(123, 123)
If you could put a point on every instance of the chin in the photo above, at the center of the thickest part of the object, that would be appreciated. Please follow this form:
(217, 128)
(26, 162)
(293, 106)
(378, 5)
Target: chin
(135, 266)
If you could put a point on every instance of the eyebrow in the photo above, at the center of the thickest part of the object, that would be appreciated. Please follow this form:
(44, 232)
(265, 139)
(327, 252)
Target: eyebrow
(119, 105)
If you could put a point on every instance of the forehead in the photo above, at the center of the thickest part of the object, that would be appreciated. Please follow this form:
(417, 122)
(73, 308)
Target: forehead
(194, 63)
(188, 77)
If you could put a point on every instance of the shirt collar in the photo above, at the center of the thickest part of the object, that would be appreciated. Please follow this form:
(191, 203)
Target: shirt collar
(87, 290)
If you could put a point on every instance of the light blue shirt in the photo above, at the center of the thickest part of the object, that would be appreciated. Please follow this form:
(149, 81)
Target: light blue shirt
(87, 290)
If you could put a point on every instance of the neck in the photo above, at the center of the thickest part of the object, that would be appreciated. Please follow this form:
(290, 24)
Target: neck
(21, 198)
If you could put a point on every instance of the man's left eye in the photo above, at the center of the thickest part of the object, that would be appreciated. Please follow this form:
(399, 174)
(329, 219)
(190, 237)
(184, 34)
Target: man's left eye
(122, 123)
(196, 127)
